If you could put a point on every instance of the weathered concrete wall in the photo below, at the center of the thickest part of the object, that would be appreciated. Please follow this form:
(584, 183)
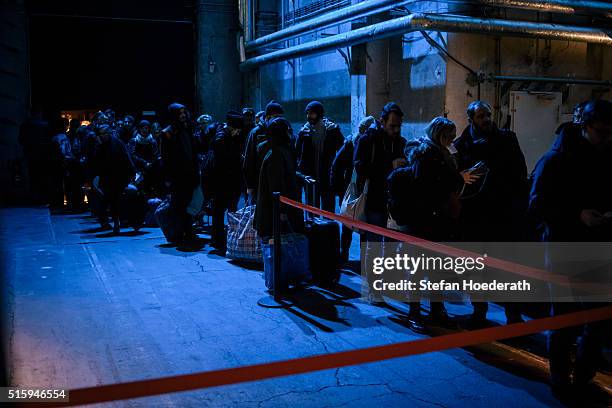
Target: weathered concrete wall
(219, 81)
(424, 82)
(14, 91)
(527, 57)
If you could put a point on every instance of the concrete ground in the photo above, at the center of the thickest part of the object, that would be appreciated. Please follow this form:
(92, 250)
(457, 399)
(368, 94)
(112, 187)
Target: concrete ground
(86, 308)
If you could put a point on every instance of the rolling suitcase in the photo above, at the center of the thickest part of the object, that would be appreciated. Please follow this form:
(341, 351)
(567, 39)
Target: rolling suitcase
(323, 241)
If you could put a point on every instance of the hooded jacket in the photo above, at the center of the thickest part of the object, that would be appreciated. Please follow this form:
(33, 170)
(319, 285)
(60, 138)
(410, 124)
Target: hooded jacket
(428, 198)
(569, 178)
(278, 173)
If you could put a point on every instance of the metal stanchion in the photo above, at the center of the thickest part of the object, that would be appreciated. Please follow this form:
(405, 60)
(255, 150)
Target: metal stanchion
(278, 284)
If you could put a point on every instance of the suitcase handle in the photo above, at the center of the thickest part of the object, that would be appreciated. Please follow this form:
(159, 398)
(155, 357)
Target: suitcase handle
(311, 190)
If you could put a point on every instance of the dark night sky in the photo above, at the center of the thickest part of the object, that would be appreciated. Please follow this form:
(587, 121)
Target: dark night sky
(92, 63)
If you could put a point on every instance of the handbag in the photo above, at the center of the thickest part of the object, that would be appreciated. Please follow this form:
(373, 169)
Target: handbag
(353, 204)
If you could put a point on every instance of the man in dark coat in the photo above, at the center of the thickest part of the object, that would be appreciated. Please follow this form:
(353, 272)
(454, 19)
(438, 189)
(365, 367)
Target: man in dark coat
(180, 165)
(113, 166)
(316, 146)
(278, 174)
(251, 165)
(498, 212)
(572, 201)
(377, 153)
(226, 187)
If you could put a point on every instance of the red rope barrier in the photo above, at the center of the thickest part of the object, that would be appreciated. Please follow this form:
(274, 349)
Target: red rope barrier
(501, 264)
(207, 379)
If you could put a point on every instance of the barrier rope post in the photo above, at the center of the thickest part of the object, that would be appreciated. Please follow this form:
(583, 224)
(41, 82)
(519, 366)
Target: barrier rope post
(276, 255)
(276, 300)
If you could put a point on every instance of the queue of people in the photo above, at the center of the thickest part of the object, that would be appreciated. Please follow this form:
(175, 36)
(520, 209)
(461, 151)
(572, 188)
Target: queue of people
(439, 187)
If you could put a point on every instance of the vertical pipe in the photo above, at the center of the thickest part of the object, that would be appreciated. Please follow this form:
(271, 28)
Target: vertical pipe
(276, 254)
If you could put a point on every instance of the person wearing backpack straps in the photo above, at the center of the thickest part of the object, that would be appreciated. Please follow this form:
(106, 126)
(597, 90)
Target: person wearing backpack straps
(377, 153)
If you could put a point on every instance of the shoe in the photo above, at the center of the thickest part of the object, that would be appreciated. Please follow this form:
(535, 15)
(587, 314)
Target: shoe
(116, 227)
(440, 316)
(477, 321)
(416, 322)
(514, 319)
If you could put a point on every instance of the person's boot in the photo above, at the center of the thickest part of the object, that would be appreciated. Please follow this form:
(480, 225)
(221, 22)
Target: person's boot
(415, 318)
(478, 318)
(116, 226)
(439, 315)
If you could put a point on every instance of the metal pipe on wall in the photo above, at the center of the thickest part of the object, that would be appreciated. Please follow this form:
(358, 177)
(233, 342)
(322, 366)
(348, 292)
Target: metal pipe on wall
(368, 8)
(342, 15)
(560, 80)
(554, 6)
(445, 23)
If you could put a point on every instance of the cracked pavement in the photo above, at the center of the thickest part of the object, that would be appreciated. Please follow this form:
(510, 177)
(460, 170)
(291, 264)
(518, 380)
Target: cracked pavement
(103, 311)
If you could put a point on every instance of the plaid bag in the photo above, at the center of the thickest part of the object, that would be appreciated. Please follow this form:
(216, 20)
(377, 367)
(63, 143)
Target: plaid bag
(242, 240)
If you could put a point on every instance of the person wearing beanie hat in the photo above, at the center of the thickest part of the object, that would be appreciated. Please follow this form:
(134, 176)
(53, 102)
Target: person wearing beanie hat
(248, 120)
(251, 166)
(180, 166)
(273, 108)
(317, 144)
(226, 174)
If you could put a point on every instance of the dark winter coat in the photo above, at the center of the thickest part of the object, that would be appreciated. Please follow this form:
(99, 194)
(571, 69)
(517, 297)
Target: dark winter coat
(376, 168)
(251, 165)
(144, 151)
(332, 142)
(342, 166)
(278, 173)
(112, 163)
(227, 151)
(179, 159)
(571, 177)
(497, 212)
(431, 197)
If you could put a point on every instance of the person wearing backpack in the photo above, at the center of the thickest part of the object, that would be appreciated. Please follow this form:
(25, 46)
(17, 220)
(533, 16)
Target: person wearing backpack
(340, 175)
(423, 197)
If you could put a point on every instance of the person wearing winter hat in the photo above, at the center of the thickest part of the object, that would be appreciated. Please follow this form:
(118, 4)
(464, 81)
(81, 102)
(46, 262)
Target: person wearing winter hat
(251, 166)
(226, 177)
(317, 144)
